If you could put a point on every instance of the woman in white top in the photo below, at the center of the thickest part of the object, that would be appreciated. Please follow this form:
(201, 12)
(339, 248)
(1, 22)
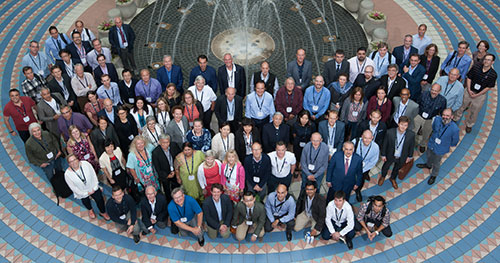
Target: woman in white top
(223, 141)
(113, 164)
(209, 173)
(206, 96)
(82, 180)
(141, 111)
(162, 113)
(152, 131)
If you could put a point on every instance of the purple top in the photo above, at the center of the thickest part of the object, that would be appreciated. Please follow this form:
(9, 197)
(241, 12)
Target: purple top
(77, 119)
(151, 92)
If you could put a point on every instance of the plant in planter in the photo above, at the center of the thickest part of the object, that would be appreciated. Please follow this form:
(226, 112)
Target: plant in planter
(103, 28)
(374, 19)
(127, 8)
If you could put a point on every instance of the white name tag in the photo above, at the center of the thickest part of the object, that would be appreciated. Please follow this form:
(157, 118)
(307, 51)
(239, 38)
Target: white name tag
(86, 156)
(370, 224)
(131, 137)
(425, 77)
(260, 114)
(149, 99)
(149, 169)
(191, 177)
(288, 109)
(302, 144)
(477, 86)
(190, 124)
(425, 114)
(50, 155)
(40, 72)
(125, 44)
(363, 164)
(117, 172)
(438, 141)
(131, 100)
(184, 220)
(331, 150)
(355, 114)
(153, 217)
(311, 167)
(397, 152)
(256, 179)
(122, 217)
(26, 119)
(249, 223)
(315, 108)
(84, 61)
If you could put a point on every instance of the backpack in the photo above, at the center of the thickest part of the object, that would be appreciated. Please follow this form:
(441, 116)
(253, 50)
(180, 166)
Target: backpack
(370, 205)
(63, 38)
(59, 185)
(375, 53)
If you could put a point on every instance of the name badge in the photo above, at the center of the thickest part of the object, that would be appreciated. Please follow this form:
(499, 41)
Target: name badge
(425, 77)
(50, 155)
(86, 156)
(131, 137)
(315, 108)
(363, 164)
(190, 124)
(153, 217)
(477, 86)
(230, 118)
(26, 119)
(249, 223)
(260, 114)
(117, 172)
(125, 44)
(355, 114)
(311, 167)
(184, 220)
(40, 72)
(438, 141)
(370, 224)
(288, 109)
(122, 217)
(149, 99)
(131, 100)
(191, 177)
(397, 152)
(149, 169)
(425, 114)
(302, 144)
(84, 61)
(256, 179)
(331, 150)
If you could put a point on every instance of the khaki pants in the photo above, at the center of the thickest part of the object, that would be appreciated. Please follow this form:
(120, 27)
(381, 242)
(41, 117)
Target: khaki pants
(426, 126)
(474, 105)
(302, 221)
(243, 228)
(212, 233)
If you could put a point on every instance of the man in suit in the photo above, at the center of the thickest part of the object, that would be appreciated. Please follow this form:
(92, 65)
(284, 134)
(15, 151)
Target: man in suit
(397, 149)
(170, 73)
(314, 160)
(163, 161)
(392, 82)
(154, 210)
(79, 50)
(300, 69)
(270, 80)
(98, 49)
(229, 107)
(66, 63)
(49, 110)
(109, 111)
(373, 124)
(335, 67)
(310, 209)
(127, 87)
(402, 53)
(249, 216)
(218, 212)
(61, 84)
(105, 68)
(178, 127)
(274, 132)
(414, 73)
(332, 131)
(232, 75)
(345, 171)
(404, 106)
(121, 38)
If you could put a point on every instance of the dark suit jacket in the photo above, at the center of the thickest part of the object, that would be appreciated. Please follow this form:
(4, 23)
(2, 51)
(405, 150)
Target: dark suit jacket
(103, 113)
(292, 70)
(115, 43)
(160, 212)
(61, 64)
(380, 131)
(399, 53)
(397, 86)
(176, 138)
(258, 216)
(433, 68)
(269, 138)
(125, 92)
(240, 144)
(74, 51)
(113, 74)
(240, 81)
(220, 109)
(318, 208)
(389, 145)
(414, 82)
(176, 78)
(161, 163)
(210, 213)
(98, 140)
(330, 72)
(336, 172)
(339, 133)
(55, 88)
(369, 88)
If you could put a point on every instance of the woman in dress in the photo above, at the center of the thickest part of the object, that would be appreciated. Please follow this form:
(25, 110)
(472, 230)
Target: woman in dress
(245, 136)
(209, 173)
(101, 133)
(82, 180)
(93, 106)
(152, 131)
(162, 113)
(380, 102)
(141, 111)
(233, 176)
(353, 111)
(302, 130)
(126, 129)
(191, 108)
(199, 137)
(80, 146)
(223, 141)
(140, 165)
(186, 170)
(112, 165)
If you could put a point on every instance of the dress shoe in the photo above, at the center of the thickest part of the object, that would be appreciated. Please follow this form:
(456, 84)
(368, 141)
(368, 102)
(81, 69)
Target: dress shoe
(349, 243)
(201, 242)
(432, 179)
(137, 239)
(366, 177)
(421, 149)
(423, 165)
(105, 216)
(381, 180)
(394, 184)
(468, 129)
(289, 236)
(359, 197)
(174, 229)
(91, 214)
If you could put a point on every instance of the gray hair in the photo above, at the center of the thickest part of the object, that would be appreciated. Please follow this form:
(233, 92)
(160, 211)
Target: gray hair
(199, 78)
(34, 125)
(79, 65)
(176, 190)
(150, 118)
(346, 143)
(167, 56)
(44, 88)
(210, 153)
(164, 136)
(278, 114)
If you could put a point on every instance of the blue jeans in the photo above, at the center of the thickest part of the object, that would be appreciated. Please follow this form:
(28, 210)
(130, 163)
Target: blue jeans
(58, 164)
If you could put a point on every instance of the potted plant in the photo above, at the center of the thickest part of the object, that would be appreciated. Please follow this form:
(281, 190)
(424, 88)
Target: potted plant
(103, 28)
(127, 8)
(374, 19)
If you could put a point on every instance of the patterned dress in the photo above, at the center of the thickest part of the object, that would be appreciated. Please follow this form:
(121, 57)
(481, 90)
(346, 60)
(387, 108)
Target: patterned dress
(143, 166)
(202, 142)
(82, 151)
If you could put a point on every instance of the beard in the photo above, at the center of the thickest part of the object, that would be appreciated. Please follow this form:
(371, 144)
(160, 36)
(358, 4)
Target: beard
(446, 121)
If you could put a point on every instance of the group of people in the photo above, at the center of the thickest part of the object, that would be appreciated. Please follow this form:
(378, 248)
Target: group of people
(152, 141)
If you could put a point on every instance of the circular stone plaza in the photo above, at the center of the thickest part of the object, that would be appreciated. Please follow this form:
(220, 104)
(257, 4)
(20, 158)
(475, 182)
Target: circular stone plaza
(454, 220)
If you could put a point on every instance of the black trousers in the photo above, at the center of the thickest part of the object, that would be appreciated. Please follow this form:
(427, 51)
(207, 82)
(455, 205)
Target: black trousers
(289, 225)
(326, 235)
(273, 182)
(24, 135)
(365, 174)
(260, 123)
(127, 58)
(97, 196)
(387, 231)
(395, 169)
(207, 119)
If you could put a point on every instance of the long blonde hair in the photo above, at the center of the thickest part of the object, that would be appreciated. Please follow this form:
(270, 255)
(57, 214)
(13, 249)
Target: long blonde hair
(235, 156)
(71, 140)
(132, 148)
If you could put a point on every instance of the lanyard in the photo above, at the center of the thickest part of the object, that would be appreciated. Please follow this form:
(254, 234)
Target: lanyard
(256, 100)
(248, 139)
(81, 52)
(381, 62)
(122, 206)
(71, 121)
(155, 135)
(230, 109)
(224, 144)
(112, 93)
(308, 208)
(362, 67)
(402, 112)
(442, 133)
(259, 163)
(361, 149)
(196, 93)
(178, 210)
(86, 83)
(146, 160)
(279, 205)
(98, 106)
(103, 134)
(338, 216)
(283, 165)
(83, 178)
(190, 116)
(400, 141)
(46, 147)
(457, 62)
(163, 115)
(56, 43)
(39, 61)
(289, 103)
(331, 139)
(314, 97)
(24, 113)
(192, 165)
(228, 177)
(310, 154)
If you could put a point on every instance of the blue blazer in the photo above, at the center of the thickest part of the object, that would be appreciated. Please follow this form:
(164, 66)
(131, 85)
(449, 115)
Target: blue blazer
(176, 78)
(335, 174)
(399, 54)
(339, 133)
(115, 43)
(414, 82)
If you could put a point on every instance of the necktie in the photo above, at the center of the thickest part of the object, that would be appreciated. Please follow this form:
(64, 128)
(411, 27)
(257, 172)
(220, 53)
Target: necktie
(346, 166)
(122, 36)
(249, 214)
(338, 68)
(58, 44)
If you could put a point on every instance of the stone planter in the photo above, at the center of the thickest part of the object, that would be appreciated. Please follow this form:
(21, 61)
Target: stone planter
(380, 34)
(127, 10)
(102, 34)
(371, 24)
(352, 5)
(141, 3)
(364, 8)
(114, 12)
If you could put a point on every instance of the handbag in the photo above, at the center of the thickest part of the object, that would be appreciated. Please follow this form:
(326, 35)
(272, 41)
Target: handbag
(405, 169)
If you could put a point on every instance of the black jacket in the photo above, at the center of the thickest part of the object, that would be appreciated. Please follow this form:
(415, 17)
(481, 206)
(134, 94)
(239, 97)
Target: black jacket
(210, 213)
(433, 68)
(55, 87)
(240, 80)
(161, 163)
(318, 209)
(113, 75)
(397, 86)
(71, 47)
(389, 145)
(160, 212)
(221, 108)
(240, 144)
(269, 138)
(127, 93)
(380, 132)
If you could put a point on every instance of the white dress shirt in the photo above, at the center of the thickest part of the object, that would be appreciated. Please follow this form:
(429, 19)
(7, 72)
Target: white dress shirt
(205, 97)
(338, 216)
(281, 168)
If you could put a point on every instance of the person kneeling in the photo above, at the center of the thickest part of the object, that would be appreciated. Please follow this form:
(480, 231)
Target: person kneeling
(218, 212)
(249, 217)
(310, 209)
(280, 211)
(154, 210)
(374, 217)
(339, 220)
(186, 214)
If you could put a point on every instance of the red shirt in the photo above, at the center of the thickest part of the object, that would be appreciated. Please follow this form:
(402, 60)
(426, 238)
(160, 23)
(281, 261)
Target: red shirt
(19, 113)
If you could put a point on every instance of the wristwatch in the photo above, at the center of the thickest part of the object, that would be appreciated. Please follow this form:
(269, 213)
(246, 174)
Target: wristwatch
(376, 232)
